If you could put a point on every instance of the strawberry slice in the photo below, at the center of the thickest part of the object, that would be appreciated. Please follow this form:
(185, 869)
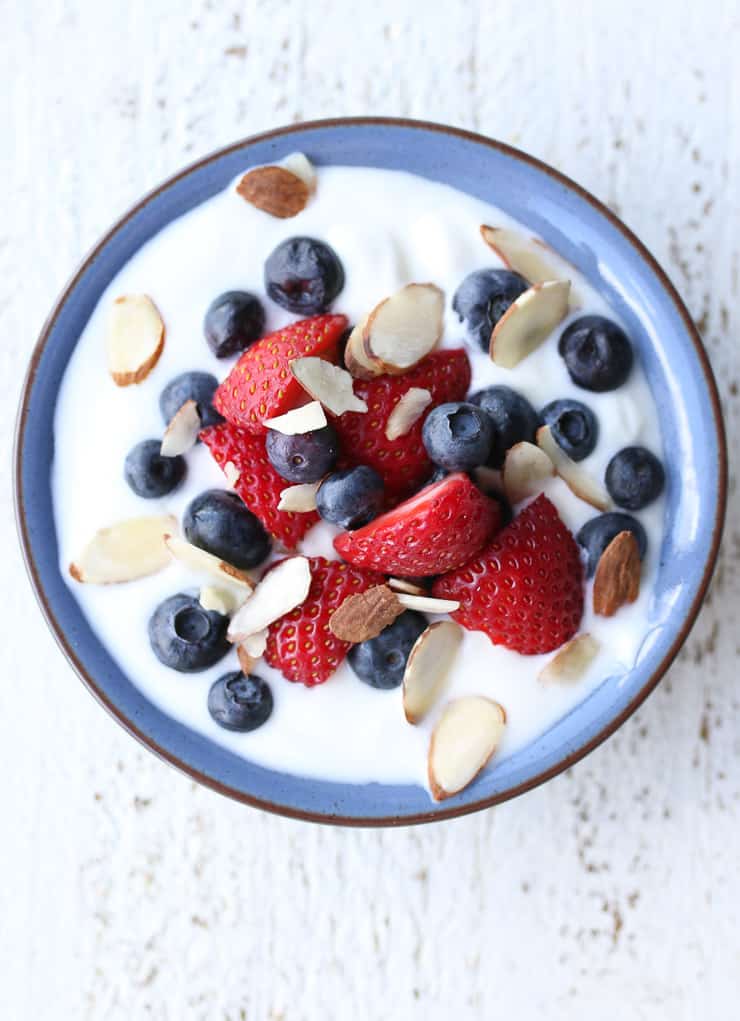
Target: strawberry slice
(261, 384)
(525, 591)
(403, 462)
(300, 644)
(440, 528)
(258, 484)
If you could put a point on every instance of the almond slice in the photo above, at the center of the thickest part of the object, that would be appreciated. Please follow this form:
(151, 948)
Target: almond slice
(490, 480)
(300, 420)
(617, 578)
(182, 432)
(231, 473)
(428, 604)
(404, 328)
(247, 663)
(355, 359)
(463, 741)
(401, 585)
(571, 661)
(124, 551)
(575, 478)
(280, 591)
(428, 667)
(327, 383)
(526, 468)
(300, 165)
(222, 600)
(275, 190)
(531, 257)
(199, 560)
(407, 412)
(528, 322)
(256, 644)
(135, 338)
(365, 614)
(299, 499)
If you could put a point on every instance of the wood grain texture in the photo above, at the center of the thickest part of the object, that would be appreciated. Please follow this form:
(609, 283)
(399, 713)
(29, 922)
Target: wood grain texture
(126, 891)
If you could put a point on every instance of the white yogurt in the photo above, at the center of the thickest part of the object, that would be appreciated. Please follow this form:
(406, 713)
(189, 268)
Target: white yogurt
(388, 228)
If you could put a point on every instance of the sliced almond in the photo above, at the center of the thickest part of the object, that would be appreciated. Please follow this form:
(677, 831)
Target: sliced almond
(428, 667)
(401, 585)
(275, 190)
(280, 591)
(617, 578)
(327, 383)
(463, 741)
(256, 644)
(222, 600)
(231, 473)
(407, 412)
(404, 328)
(135, 338)
(202, 562)
(428, 604)
(490, 480)
(357, 362)
(247, 663)
(575, 478)
(300, 165)
(528, 321)
(299, 499)
(125, 551)
(182, 432)
(571, 661)
(526, 469)
(365, 614)
(300, 420)
(528, 256)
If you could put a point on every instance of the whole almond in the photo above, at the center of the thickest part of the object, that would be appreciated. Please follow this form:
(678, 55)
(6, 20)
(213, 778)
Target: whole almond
(274, 190)
(365, 614)
(617, 579)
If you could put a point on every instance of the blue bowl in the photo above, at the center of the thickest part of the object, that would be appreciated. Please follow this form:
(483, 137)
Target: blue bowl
(612, 259)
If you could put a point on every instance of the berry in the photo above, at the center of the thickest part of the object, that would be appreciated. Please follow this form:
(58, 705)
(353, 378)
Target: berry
(218, 522)
(149, 474)
(634, 478)
(234, 320)
(242, 454)
(440, 528)
(458, 436)
(483, 297)
(190, 386)
(303, 457)
(597, 533)
(240, 703)
(186, 637)
(514, 419)
(300, 643)
(597, 353)
(525, 590)
(261, 384)
(303, 275)
(381, 661)
(351, 498)
(573, 425)
(403, 463)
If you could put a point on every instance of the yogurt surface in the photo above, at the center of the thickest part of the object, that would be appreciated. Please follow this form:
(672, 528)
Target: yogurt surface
(388, 229)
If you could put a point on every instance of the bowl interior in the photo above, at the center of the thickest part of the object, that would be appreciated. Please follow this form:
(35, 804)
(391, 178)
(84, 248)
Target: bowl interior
(611, 259)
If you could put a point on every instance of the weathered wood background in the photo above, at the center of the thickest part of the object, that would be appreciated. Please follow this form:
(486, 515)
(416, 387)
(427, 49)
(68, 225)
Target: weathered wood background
(127, 892)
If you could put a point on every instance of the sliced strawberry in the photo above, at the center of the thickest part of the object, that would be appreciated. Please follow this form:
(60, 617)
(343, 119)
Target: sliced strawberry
(261, 384)
(440, 528)
(525, 591)
(402, 462)
(258, 484)
(300, 644)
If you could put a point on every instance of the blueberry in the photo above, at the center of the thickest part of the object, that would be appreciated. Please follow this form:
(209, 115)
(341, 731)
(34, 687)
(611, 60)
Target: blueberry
(350, 498)
(186, 637)
(234, 320)
(483, 297)
(574, 427)
(597, 533)
(303, 457)
(513, 417)
(190, 386)
(303, 275)
(597, 353)
(634, 478)
(381, 661)
(458, 436)
(240, 703)
(149, 474)
(218, 522)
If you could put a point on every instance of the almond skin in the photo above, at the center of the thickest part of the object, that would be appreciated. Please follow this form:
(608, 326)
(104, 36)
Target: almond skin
(366, 614)
(274, 190)
(617, 579)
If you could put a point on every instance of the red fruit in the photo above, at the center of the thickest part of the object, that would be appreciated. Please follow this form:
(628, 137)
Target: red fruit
(259, 485)
(403, 463)
(440, 528)
(300, 644)
(525, 591)
(261, 384)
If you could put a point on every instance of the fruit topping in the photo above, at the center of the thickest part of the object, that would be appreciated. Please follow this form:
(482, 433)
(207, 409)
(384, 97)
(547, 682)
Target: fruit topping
(328, 383)
(526, 469)
(182, 432)
(458, 436)
(124, 551)
(484, 297)
(428, 667)
(351, 497)
(463, 742)
(617, 578)
(135, 338)
(575, 478)
(513, 417)
(303, 457)
(573, 425)
(299, 499)
(365, 614)
(217, 521)
(239, 702)
(528, 322)
(233, 321)
(597, 533)
(381, 661)
(190, 386)
(400, 331)
(283, 588)
(149, 474)
(303, 275)
(275, 190)
(186, 637)
(571, 661)
(634, 478)
(596, 352)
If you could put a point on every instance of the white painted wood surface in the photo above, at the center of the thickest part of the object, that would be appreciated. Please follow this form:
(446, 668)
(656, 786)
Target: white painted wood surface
(126, 892)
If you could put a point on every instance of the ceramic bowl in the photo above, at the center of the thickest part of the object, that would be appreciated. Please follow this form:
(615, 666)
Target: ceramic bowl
(612, 259)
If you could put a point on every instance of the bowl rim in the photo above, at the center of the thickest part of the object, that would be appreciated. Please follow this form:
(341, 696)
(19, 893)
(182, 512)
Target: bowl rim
(440, 812)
